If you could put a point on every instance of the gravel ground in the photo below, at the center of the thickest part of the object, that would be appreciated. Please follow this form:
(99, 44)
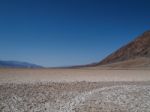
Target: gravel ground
(75, 97)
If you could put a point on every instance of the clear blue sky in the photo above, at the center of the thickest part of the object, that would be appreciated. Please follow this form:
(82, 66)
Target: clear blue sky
(68, 32)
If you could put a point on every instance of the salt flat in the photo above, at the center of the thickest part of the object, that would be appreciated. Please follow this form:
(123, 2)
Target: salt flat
(75, 97)
(74, 90)
(70, 75)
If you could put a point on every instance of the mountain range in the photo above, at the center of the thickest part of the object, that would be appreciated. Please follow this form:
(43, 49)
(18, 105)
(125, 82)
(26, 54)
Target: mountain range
(17, 64)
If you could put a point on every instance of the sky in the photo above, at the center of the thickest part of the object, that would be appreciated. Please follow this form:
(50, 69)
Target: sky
(56, 33)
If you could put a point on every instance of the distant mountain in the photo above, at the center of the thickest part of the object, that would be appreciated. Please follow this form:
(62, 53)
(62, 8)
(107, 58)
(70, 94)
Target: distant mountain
(17, 64)
(134, 53)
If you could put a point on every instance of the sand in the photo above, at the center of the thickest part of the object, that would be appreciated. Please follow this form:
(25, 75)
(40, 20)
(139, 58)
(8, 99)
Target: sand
(74, 90)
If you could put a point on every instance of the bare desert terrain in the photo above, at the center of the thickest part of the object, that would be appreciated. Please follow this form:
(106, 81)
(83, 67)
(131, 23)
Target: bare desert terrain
(71, 75)
(74, 90)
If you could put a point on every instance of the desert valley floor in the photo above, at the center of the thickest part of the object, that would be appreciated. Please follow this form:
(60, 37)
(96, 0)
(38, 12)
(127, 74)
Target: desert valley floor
(74, 90)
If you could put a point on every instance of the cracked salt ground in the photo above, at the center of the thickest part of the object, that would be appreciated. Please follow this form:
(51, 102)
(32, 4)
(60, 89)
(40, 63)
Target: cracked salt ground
(75, 97)
(128, 98)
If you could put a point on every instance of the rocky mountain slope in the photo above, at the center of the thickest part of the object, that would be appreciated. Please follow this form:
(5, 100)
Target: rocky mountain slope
(137, 49)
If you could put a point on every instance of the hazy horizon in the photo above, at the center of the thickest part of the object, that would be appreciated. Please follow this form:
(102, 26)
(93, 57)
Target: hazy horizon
(68, 32)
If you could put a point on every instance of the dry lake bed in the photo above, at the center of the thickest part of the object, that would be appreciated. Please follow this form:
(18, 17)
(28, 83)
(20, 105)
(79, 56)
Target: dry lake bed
(74, 90)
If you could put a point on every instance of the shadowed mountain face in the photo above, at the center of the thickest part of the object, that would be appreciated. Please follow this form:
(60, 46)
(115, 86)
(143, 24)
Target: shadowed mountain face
(137, 49)
(17, 64)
